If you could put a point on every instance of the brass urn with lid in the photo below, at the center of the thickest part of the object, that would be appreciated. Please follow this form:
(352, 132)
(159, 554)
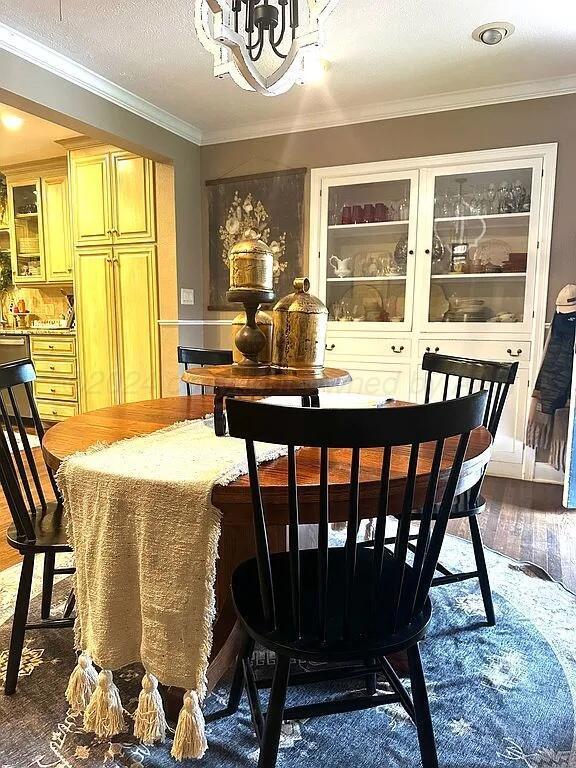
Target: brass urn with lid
(299, 337)
(252, 284)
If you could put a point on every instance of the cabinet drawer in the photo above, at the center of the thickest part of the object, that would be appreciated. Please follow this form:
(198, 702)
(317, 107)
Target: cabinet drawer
(50, 411)
(56, 369)
(505, 351)
(48, 345)
(367, 349)
(56, 390)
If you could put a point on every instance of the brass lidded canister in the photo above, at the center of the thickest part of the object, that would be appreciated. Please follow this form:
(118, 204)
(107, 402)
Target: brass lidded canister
(251, 266)
(264, 322)
(300, 323)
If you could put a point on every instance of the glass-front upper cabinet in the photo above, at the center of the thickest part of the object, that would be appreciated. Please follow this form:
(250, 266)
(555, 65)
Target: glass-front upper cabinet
(26, 222)
(367, 248)
(479, 236)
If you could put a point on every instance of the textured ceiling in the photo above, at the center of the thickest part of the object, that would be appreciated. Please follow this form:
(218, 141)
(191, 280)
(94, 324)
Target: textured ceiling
(34, 140)
(381, 51)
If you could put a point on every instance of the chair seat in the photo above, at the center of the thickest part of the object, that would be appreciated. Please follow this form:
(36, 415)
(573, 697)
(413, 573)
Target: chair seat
(368, 639)
(50, 530)
(460, 508)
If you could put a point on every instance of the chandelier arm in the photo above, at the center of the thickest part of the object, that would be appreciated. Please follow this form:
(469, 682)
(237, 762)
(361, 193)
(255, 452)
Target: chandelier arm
(280, 38)
(294, 20)
(249, 24)
(259, 47)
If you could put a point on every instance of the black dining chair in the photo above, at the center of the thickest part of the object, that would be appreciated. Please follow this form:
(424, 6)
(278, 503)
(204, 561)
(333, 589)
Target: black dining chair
(197, 356)
(454, 377)
(349, 605)
(38, 524)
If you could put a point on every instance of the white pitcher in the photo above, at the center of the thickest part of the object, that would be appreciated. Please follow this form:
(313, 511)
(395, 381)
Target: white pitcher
(341, 267)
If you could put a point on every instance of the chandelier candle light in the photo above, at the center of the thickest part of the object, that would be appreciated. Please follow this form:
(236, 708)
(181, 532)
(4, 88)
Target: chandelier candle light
(263, 45)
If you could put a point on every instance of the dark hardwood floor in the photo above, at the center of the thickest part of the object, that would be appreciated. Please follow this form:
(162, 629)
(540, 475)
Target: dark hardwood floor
(525, 521)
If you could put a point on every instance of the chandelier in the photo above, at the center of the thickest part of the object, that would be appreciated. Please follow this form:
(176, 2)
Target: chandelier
(263, 45)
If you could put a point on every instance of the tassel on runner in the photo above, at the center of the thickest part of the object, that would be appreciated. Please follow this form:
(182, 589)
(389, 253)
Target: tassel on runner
(104, 715)
(189, 738)
(82, 684)
(149, 718)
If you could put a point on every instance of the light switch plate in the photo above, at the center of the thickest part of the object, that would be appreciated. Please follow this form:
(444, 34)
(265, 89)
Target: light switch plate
(186, 295)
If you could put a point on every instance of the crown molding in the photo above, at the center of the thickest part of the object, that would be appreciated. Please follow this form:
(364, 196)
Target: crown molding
(441, 102)
(42, 56)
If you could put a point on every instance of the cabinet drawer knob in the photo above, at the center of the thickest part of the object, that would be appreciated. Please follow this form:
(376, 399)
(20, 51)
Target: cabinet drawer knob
(52, 389)
(55, 413)
(514, 354)
(429, 349)
(399, 350)
(50, 346)
(330, 348)
(52, 368)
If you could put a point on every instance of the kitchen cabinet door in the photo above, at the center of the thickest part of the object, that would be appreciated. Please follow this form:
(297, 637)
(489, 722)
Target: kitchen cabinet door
(96, 321)
(55, 213)
(132, 198)
(90, 199)
(27, 253)
(137, 322)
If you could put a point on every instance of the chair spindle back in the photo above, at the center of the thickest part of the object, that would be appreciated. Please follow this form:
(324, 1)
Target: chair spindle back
(437, 437)
(19, 474)
(196, 356)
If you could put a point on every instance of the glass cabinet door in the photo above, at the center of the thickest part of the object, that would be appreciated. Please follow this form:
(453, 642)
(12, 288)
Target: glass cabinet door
(27, 256)
(480, 255)
(367, 249)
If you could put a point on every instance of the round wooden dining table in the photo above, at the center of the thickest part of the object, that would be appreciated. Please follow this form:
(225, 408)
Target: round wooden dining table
(108, 425)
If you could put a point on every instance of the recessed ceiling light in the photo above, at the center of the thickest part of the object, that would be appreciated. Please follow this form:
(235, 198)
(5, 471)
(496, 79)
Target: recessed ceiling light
(314, 67)
(493, 33)
(11, 122)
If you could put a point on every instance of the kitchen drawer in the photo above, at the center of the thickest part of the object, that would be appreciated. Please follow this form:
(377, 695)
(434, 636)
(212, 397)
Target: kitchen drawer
(505, 351)
(55, 390)
(55, 369)
(51, 411)
(50, 345)
(367, 349)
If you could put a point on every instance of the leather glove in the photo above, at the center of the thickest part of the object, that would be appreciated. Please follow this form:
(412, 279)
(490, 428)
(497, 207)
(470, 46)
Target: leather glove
(559, 438)
(539, 427)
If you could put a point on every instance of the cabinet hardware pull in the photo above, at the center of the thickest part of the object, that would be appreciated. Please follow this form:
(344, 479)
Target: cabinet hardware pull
(436, 349)
(52, 390)
(427, 251)
(50, 346)
(54, 413)
(69, 269)
(329, 348)
(398, 351)
(516, 354)
(52, 368)
(411, 253)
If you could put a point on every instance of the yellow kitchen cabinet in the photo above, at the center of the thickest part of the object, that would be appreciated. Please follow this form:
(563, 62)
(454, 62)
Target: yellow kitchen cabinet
(96, 328)
(90, 198)
(39, 222)
(112, 197)
(56, 227)
(116, 297)
(132, 198)
(27, 241)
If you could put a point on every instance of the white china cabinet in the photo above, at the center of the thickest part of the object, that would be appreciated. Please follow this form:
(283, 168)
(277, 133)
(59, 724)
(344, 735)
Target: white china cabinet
(444, 253)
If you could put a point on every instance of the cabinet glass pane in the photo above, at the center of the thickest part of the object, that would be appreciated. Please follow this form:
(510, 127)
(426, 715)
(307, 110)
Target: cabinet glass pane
(26, 229)
(367, 251)
(480, 246)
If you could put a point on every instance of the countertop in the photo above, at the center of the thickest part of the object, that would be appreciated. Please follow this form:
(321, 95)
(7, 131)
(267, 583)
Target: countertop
(37, 331)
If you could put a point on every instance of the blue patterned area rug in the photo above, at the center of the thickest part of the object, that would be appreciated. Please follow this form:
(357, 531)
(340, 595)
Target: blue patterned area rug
(501, 697)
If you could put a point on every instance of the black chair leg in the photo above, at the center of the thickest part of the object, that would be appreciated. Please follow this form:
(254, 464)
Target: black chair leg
(19, 625)
(237, 685)
(422, 710)
(47, 584)
(273, 726)
(70, 604)
(482, 570)
(370, 680)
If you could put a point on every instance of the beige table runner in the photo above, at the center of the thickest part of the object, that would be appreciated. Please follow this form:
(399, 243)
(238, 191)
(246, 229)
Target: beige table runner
(145, 537)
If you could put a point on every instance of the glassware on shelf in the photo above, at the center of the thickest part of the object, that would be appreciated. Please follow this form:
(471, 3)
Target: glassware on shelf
(404, 209)
(346, 215)
(380, 212)
(439, 258)
(492, 198)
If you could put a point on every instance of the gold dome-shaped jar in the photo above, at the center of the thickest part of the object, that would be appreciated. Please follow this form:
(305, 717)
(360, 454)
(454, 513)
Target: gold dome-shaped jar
(264, 322)
(300, 323)
(251, 266)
